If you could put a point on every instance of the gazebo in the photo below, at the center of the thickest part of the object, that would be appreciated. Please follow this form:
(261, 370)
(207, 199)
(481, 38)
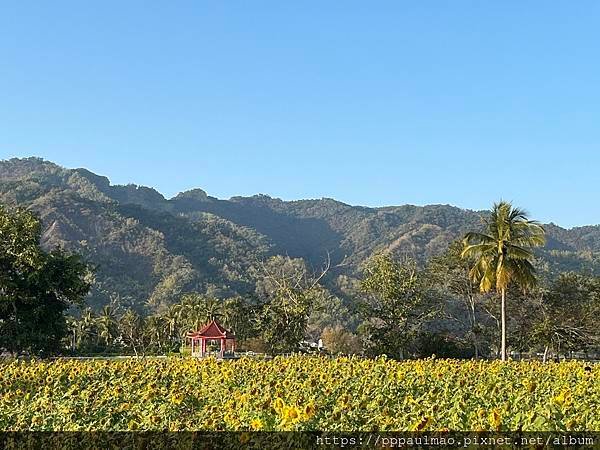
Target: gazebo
(213, 331)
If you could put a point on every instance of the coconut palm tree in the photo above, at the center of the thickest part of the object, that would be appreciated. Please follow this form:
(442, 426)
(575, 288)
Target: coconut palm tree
(86, 329)
(130, 329)
(106, 324)
(196, 310)
(73, 327)
(171, 319)
(503, 254)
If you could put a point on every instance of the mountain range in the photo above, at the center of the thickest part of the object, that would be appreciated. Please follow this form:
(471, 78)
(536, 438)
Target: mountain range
(147, 250)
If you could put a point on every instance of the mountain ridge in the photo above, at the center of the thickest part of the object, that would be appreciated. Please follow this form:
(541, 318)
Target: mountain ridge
(150, 249)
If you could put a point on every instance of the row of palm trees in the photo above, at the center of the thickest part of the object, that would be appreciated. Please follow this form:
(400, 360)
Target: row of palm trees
(115, 329)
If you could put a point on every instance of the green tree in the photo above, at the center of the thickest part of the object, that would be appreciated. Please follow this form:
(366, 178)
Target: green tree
(36, 287)
(568, 318)
(451, 272)
(106, 324)
(85, 332)
(287, 293)
(171, 319)
(131, 331)
(503, 254)
(155, 333)
(396, 304)
(237, 316)
(196, 310)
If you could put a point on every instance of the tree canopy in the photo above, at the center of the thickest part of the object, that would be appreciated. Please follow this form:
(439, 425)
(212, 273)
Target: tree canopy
(396, 304)
(36, 287)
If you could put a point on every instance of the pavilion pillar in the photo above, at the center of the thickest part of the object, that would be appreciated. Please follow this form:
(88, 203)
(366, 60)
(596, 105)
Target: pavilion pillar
(203, 351)
(192, 346)
(233, 346)
(222, 347)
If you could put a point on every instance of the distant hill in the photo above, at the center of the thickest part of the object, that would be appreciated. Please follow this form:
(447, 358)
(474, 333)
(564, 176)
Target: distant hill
(149, 249)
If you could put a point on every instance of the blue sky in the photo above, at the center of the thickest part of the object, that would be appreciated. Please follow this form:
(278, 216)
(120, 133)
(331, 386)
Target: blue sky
(372, 103)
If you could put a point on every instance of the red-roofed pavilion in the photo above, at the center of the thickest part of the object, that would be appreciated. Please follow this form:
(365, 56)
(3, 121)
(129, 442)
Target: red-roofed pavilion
(211, 332)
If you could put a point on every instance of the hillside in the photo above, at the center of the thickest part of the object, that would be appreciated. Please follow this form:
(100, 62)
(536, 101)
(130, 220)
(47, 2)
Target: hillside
(149, 249)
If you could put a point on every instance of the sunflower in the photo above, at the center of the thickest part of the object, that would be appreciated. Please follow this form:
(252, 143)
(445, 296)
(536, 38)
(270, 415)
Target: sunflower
(257, 424)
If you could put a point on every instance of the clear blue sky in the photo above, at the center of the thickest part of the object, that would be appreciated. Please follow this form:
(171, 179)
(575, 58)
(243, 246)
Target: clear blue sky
(372, 103)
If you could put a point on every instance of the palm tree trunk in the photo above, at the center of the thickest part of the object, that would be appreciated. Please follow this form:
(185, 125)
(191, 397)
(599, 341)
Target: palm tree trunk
(503, 345)
(473, 320)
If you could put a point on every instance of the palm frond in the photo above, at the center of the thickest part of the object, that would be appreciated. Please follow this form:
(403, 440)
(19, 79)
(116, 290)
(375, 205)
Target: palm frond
(503, 251)
(488, 279)
(477, 249)
(517, 214)
(518, 252)
(477, 238)
(523, 273)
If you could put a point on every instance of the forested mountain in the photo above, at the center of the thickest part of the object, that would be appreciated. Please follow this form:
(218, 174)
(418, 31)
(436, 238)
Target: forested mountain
(148, 249)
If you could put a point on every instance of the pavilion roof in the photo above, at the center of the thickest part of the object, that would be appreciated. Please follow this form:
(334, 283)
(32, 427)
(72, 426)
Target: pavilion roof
(212, 330)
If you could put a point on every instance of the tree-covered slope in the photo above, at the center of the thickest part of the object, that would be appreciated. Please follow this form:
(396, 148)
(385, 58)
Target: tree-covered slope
(144, 256)
(149, 249)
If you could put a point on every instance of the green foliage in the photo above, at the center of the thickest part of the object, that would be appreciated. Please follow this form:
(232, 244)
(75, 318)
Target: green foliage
(287, 293)
(450, 272)
(441, 346)
(567, 317)
(397, 303)
(36, 287)
(118, 329)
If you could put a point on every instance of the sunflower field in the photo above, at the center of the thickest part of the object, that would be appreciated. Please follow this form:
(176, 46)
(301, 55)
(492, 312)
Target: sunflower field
(298, 393)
